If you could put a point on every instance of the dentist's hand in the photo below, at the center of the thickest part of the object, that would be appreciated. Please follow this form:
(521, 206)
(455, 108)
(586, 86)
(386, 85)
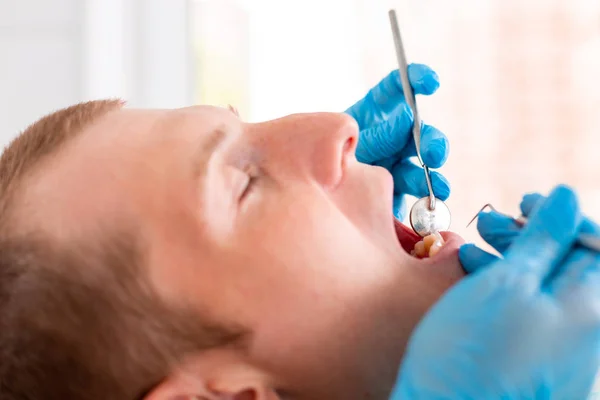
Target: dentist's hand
(385, 121)
(499, 231)
(524, 327)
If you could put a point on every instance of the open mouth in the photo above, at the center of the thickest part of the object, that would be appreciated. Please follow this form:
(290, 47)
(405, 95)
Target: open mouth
(439, 259)
(419, 247)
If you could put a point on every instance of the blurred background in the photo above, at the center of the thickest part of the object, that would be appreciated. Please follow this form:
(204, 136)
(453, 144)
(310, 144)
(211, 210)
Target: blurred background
(519, 95)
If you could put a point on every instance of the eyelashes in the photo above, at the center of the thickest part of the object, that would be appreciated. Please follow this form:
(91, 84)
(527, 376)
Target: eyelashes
(233, 110)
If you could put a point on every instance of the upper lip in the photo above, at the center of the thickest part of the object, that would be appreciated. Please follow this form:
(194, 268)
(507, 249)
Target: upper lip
(406, 236)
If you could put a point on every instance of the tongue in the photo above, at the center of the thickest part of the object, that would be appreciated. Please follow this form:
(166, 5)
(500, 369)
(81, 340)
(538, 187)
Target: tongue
(406, 236)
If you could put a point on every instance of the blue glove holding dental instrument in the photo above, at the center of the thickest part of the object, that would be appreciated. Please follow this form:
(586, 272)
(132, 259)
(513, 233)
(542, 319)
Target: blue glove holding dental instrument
(385, 122)
(500, 230)
(523, 327)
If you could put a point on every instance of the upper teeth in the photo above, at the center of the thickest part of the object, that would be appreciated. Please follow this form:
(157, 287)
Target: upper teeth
(429, 246)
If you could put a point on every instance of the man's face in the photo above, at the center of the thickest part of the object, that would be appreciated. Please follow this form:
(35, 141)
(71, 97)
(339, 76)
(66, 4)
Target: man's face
(272, 226)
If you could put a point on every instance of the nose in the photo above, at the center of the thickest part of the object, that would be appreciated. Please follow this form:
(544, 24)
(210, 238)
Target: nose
(314, 146)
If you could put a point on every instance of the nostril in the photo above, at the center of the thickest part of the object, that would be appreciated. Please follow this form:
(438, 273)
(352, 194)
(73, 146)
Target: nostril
(349, 146)
(348, 149)
(347, 154)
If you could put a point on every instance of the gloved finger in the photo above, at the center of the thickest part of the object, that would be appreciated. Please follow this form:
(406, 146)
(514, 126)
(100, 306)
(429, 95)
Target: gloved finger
(529, 202)
(429, 151)
(400, 207)
(410, 179)
(384, 97)
(580, 269)
(386, 138)
(474, 259)
(497, 230)
(410, 150)
(387, 163)
(548, 236)
(422, 79)
(388, 92)
(434, 146)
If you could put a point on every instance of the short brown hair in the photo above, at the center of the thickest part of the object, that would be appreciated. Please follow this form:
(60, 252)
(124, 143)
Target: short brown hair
(80, 320)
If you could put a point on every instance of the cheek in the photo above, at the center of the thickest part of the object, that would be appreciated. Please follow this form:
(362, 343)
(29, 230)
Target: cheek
(365, 197)
(329, 330)
(304, 241)
(312, 287)
(316, 288)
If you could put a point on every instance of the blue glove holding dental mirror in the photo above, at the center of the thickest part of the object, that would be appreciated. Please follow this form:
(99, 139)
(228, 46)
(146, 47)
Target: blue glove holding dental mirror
(385, 122)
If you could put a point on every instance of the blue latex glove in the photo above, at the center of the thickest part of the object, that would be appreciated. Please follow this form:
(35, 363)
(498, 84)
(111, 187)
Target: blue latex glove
(525, 327)
(500, 231)
(385, 122)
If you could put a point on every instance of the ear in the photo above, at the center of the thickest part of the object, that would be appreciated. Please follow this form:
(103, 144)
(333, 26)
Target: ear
(243, 383)
(214, 378)
(179, 387)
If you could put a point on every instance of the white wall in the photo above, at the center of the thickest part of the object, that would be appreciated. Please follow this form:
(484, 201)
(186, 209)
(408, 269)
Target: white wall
(40, 58)
(55, 53)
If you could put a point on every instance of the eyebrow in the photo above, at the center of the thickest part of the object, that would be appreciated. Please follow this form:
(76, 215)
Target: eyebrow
(206, 148)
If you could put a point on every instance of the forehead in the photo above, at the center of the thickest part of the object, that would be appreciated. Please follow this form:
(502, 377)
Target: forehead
(144, 128)
(118, 166)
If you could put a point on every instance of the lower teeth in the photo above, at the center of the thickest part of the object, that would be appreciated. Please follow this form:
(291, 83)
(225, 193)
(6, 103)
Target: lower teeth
(429, 246)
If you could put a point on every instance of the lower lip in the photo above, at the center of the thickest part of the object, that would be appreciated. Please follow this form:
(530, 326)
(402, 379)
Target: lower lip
(452, 243)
